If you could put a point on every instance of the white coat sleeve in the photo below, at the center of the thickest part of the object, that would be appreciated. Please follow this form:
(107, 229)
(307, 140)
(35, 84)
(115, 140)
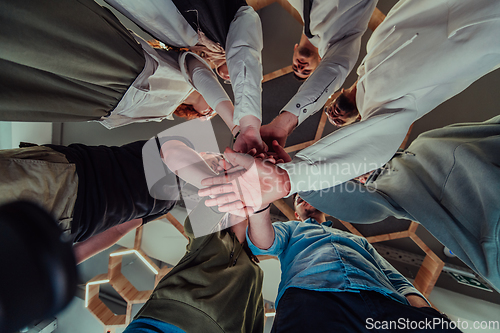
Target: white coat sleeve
(327, 78)
(243, 54)
(204, 81)
(353, 150)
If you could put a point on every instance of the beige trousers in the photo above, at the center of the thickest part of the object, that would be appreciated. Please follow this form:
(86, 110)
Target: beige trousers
(41, 175)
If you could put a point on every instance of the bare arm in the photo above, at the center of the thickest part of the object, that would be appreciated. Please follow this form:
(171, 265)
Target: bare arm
(187, 163)
(104, 240)
(417, 301)
(279, 128)
(239, 228)
(260, 230)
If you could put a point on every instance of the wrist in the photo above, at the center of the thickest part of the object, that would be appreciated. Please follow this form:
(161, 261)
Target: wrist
(286, 121)
(262, 209)
(249, 121)
(235, 130)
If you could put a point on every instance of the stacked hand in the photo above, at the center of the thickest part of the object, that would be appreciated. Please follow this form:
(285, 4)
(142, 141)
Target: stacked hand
(249, 182)
(249, 138)
(279, 129)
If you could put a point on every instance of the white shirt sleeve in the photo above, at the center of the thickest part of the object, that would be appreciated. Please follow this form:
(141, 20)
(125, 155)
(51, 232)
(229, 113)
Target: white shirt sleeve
(160, 18)
(353, 150)
(197, 72)
(243, 54)
(326, 79)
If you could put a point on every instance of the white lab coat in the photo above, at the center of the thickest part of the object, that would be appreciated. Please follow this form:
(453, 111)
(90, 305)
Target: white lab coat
(337, 28)
(243, 45)
(422, 54)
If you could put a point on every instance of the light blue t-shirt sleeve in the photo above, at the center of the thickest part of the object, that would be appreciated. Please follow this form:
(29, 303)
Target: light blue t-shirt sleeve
(281, 236)
(149, 325)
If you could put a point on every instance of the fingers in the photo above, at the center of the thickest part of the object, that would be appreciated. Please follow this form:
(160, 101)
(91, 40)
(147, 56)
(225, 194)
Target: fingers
(225, 199)
(224, 178)
(266, 148)
(234, 158)
(280, 151)
(215, 190)
(233, 209)
(252, 152)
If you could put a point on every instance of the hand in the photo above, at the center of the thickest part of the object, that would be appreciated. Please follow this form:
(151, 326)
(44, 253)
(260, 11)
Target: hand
(417, 301)
(278, 155)
(279, 128)
(281, 154)
(258, 184)
(249, 138)
(270, 133)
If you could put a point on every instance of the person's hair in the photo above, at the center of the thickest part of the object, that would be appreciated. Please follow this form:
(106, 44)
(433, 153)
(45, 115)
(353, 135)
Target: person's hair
(156, 44)
(187, 111)
(346, 105)
(294, 197)
(160, 45)
(298, 78)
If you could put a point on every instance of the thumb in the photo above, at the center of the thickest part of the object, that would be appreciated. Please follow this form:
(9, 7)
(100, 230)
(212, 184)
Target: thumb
(235, 158)
(280, 151)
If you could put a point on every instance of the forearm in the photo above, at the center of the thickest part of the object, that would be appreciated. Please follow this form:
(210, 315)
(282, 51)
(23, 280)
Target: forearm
(185, 162)
(285, 122)
(238, 226)
(225, 110)
(417, 301)
(279, 128)
(249, 121)
(103, 241)
(260, 230)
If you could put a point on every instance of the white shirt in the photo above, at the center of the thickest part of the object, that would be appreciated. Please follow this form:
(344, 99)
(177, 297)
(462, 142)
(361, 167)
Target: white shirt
(243, 45)
(337, 27)
(162, 86)
(422, 54)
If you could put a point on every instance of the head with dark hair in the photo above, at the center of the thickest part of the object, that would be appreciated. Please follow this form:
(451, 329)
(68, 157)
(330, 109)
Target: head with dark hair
(298, 78)
(342, 110)
(294, 198)
(305, 58)
(304, 210)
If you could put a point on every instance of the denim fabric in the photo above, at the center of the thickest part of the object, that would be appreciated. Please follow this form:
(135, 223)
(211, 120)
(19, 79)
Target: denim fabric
(342, 312)
(317, 257)
(454, 176)
(148, 325)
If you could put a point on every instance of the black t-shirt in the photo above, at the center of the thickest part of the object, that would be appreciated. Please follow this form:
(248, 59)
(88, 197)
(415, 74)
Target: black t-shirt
(212, 17)
(112, 187)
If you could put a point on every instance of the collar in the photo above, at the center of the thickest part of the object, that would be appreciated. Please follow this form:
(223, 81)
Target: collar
(313, 221)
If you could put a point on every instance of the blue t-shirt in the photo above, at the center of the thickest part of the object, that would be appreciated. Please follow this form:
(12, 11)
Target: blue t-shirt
(315, 256)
